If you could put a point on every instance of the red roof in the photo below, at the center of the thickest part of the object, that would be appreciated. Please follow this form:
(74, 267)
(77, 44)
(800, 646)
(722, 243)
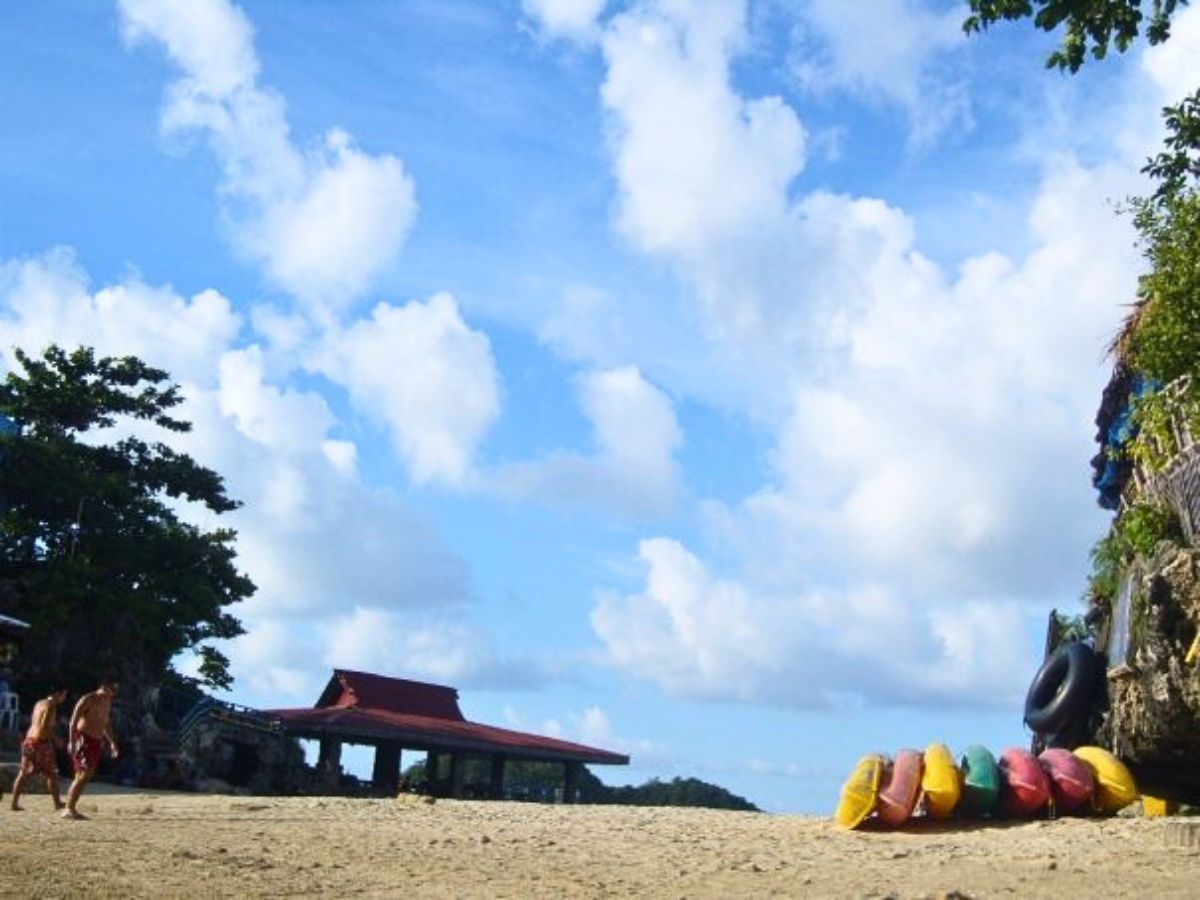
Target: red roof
(396, 695)
(360, 707)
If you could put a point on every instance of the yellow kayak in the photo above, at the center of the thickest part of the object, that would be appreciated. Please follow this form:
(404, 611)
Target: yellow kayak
(1115, 787)
(860, 791)
(1158, 806)
(941, 782)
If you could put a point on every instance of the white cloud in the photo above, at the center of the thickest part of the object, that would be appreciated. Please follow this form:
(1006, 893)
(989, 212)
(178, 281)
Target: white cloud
(422, 372)
(926, 454)
(593, 728)
(633, 469)
(1175, 65)
(697, 635)
(280, 420)
(695, 162)
(574, 19)
(329, 239)
(704, 178)
(386, 641)
(686, 631)
(313, 539)
(324, 222)
(211, 41)
(342, 455)
(274, 664)
(318, 543)
(929, 490)
(885, 50)
(407, 644)
(47, 299)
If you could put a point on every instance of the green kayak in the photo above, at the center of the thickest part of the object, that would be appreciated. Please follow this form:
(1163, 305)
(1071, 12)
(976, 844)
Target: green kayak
(981, 782)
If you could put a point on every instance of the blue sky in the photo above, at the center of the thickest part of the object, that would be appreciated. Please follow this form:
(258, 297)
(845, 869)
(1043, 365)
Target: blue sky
(710, 381)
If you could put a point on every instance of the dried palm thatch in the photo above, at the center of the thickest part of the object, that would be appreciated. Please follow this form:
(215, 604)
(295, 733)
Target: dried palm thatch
(1121, 347)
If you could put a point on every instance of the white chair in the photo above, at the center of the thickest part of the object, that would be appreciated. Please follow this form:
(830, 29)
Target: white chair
(10, 709)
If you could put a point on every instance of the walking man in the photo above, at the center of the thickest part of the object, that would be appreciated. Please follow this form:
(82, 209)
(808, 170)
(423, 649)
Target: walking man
(39, 749)
(91, 728)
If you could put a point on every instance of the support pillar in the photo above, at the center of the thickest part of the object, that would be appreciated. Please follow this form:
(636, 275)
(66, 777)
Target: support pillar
(386, 773)
(571, 773)
(458, 769)
(497, 782)
(329, 759)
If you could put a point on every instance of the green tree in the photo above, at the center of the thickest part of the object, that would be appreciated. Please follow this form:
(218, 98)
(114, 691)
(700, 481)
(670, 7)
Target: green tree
(676, 792)
(1177, 167)
(103, 568)
(1094, 25)
(1105, 24)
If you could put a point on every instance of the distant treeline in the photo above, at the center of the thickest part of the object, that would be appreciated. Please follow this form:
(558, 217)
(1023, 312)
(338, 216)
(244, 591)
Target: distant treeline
(543, 782)
(676, 792)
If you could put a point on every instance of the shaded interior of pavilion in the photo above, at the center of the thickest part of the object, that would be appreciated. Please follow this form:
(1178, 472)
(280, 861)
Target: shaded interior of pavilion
(396, 717)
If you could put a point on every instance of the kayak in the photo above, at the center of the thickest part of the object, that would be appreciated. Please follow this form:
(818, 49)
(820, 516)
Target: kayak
(860, 791)
(1115, 787)
(981, 782)
(901, 787)
(1071, 783)
(941, 782)
(1024, 787)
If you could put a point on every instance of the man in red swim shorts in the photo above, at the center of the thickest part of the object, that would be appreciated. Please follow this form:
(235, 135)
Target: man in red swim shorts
(91, 727)
(38, 750)
(85, 753)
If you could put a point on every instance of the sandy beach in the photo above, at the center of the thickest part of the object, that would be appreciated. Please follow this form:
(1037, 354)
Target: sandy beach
(148, 845)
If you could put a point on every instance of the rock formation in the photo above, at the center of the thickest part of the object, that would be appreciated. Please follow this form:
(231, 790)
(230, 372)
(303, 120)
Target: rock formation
(1152, 719)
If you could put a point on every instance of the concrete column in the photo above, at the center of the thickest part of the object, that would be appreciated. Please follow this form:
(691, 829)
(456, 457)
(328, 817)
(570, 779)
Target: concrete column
(329, 760)
(385, 774)
(571, 772)
(497, 782)
(458, 769)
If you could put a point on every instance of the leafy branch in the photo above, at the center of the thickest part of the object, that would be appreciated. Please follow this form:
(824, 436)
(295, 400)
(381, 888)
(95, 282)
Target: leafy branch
(1089, 25)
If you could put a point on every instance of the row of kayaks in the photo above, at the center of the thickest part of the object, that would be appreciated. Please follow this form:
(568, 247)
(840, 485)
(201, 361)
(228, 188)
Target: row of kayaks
(1086, 780)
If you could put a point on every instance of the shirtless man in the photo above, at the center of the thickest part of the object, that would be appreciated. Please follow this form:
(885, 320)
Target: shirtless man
(39, 749)
(91, 727)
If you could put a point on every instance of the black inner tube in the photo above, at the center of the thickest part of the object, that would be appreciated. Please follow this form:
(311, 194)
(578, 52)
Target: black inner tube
(1062, 690)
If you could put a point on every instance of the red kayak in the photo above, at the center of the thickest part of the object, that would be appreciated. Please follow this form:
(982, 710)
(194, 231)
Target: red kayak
(1024, 786)
(1071, 783)
(901, 787)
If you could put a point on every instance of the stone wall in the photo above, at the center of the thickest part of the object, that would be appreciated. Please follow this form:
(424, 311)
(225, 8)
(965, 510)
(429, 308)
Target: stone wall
(1152, 720)
(218, 755)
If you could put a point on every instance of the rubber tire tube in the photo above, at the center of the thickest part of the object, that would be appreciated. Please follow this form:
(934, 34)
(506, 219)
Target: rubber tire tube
(1062, 689)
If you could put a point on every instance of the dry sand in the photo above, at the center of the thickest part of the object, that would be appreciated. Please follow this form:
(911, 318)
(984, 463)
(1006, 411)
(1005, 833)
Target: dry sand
(141, 844)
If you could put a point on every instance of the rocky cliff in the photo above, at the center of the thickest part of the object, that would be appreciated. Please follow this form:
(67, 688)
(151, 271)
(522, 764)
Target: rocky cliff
(1152, 719)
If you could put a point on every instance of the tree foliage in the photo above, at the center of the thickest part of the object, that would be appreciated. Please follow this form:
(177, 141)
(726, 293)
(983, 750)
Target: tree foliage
(541, 781)
(543, 778)
(108, 575)
(676, 792)
(1177, 167)
(1163, 341)
(1166, 341)
(1135, 534)
(1088, 25)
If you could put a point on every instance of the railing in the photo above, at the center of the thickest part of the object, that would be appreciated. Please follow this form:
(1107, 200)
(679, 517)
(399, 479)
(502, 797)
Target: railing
(1177, 482)
(230, 713)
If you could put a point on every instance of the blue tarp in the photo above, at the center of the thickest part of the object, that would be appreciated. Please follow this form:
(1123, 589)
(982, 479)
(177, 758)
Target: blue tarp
(1111, 481)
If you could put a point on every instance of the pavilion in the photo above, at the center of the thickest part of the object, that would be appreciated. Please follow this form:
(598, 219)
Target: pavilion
(394, 714)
